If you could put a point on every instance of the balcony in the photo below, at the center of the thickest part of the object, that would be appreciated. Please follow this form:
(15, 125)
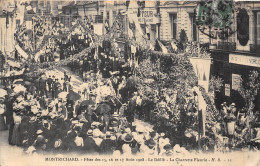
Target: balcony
(227, 46)
(254, 48)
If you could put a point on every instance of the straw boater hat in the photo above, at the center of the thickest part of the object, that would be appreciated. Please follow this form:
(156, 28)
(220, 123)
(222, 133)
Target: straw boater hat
(127, 130)
(96, 133)
(127, 138)
(177, 148)
(90, 132)
(108, 134)
(39, 132)
(139, 139)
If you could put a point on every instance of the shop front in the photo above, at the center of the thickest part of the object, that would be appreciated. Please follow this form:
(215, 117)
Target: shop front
(234, 69)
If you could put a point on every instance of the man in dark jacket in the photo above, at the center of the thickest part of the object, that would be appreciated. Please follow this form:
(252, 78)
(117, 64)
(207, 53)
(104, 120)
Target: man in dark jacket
(90, 145)
(108, 145)
(42, 87)
(49, 82)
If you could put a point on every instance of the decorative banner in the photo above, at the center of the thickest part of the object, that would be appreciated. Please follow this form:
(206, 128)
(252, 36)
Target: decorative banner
(28, 25)
(202, 107)
(236, 81)
(227, 90)
(201, 68)
(21, 51)
(98, 29)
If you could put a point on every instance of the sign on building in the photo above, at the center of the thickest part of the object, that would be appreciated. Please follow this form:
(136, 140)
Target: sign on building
(227, 90)
(244, 60)
(148, 16)
(236, 81)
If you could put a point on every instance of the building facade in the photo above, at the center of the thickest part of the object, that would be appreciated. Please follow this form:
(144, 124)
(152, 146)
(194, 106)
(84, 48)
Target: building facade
(236, 56)
(178, 15)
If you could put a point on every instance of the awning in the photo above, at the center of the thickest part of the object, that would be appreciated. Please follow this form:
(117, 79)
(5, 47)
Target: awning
(21, 51)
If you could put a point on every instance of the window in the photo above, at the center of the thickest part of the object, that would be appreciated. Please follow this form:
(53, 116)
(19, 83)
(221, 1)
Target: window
(173, 18)
(258, 28)
(99, 18)
(153, 32)
(243, 27)
(143, 27)
(107, 15)
(114, 14)
(194, 34)
(232, 38)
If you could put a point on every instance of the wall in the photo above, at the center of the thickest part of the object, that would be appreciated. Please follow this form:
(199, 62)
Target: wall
(184, 22)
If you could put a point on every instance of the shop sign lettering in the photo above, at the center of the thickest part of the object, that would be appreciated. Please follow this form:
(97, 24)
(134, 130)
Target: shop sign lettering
(244, 60)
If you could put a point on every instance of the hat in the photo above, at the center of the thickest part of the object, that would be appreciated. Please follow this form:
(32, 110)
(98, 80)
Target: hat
(115, 114)
(2, 99)
(177, 148)
(108, 134)
(113, 138)
(127, 138)
(162, 134)
(90, 132)
(75, 122)
(39, 132)
(96, 133)
(127, 130)
(45, 121)
(233, 104)
(150, 143)
(139, 139)
(167, 147)
(140, 129)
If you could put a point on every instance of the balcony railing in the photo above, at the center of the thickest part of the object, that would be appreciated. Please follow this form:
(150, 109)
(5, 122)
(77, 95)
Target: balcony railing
(254, 48)
(227, 46)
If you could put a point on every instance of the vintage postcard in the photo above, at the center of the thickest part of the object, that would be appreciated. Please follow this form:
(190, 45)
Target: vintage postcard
(129, 82)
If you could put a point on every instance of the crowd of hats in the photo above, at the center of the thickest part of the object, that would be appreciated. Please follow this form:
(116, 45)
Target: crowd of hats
(43, 129)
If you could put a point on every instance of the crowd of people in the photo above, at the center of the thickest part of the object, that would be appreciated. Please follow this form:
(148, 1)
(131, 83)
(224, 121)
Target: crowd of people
(237, 127)
(41, 119)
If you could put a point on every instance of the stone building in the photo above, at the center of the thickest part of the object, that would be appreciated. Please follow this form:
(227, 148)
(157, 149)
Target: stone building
(178, 15)
(235, 57)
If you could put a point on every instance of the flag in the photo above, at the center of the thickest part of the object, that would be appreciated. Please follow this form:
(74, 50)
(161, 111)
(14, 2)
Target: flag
(162, 47)
(201, 67)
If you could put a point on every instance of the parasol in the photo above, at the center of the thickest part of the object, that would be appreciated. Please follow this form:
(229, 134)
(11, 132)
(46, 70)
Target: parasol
(62, 95)
(19, 88)
(104, 109)
(3, 92)
(73, 96)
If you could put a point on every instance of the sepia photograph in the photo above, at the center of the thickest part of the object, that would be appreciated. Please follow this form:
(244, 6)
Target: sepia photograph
(129, 82)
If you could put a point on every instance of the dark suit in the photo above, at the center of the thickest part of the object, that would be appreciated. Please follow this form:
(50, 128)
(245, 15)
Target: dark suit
(90, 145)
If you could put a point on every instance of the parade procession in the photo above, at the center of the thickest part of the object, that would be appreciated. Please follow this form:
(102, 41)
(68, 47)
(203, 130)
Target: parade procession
(129, 77)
